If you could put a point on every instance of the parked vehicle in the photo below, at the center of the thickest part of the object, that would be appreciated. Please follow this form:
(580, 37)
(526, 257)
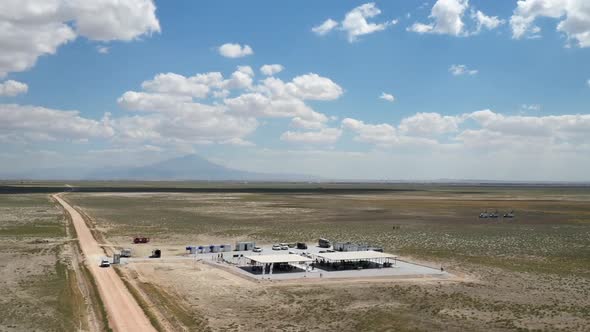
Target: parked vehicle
(301, 245)
(141, 239)
(126, 252)
(285, 247)
(276, 247)
(104, 262)
(324, 243)
(157, 253)
(257, 249)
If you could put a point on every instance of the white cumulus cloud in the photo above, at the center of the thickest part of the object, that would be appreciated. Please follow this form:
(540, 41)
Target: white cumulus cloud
(230, 50)
(325, 27)
(270, 70)
(429, 124)
(168, 111)
(322, 136)
(484, 129)
(387, 97)
(486, 22)
(12, 88)
(315, 87)
(32, 28)
(447, 18)
(459, 70)
(355, 23)
(574, 18)
(102, 49)
(107, 20)
(32, 123)
(176, 84)
(380, 134)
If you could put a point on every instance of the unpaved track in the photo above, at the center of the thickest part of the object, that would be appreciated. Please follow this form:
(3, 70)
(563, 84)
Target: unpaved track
(124, 313)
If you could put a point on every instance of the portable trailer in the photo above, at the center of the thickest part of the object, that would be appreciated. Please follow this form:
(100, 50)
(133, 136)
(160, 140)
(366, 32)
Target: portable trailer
(192, 249)
(225, 248)
(349, 246)
(245, 246)
(214, 248)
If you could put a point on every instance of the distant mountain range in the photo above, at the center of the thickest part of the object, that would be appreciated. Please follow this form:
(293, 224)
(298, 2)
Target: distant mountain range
(189, 167)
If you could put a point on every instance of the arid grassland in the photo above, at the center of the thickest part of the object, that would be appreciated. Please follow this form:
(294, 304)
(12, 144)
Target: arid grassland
(38, 286)
(531, 272)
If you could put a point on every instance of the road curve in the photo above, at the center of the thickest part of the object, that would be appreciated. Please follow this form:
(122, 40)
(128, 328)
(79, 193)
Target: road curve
(124, 314)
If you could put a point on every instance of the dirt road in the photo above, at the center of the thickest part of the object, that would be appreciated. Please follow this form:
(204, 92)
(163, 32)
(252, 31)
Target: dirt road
(124, 313)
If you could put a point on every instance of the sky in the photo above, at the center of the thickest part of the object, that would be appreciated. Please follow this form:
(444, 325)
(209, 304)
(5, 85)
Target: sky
(384, 90)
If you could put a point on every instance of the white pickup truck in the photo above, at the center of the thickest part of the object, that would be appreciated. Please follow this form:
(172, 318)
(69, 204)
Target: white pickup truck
(104, 262)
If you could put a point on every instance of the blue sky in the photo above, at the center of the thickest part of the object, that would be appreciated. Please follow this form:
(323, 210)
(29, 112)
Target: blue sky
(477, 89)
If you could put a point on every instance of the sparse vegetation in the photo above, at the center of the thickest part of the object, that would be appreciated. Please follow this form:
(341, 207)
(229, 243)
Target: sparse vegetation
(38, 288)
(530, 272)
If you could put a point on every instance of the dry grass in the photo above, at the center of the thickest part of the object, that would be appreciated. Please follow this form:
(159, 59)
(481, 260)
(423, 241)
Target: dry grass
(533, 271)
(38, 288)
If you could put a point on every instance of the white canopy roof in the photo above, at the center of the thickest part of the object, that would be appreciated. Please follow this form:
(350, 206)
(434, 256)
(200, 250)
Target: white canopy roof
(354, 255)
(278, 258)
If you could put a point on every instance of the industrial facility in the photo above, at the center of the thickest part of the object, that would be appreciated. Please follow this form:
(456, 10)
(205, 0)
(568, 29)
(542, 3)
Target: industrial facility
(295, 260)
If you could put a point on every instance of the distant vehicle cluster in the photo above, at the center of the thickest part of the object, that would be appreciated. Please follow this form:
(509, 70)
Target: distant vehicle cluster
(496, 214)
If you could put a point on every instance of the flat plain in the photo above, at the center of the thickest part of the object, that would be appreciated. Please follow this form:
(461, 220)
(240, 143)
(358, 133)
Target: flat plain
(39, 289)
(531, 272)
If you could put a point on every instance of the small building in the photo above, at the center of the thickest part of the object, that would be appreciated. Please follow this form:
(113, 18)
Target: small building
(214, 248)
(203, 249)
(245, 246)
(349, 246)
(225, 248)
